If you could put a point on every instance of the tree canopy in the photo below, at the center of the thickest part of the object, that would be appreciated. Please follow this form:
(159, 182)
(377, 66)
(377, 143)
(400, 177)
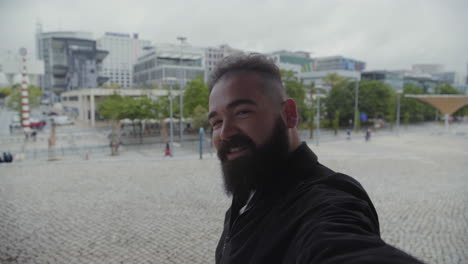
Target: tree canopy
(196, 94)
(14, 99)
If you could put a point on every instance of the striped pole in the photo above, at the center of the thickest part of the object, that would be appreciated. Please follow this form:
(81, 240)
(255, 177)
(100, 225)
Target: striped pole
(24, 95)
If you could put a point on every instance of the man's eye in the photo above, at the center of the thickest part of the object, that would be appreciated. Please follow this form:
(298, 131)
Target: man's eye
(243, 112)
(216, 123)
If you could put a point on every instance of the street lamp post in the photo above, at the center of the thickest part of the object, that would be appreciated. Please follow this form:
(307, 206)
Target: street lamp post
(398, 112)
(356, 99)
(170, 80)
(181, 102)
(171, 129)
(318, 121)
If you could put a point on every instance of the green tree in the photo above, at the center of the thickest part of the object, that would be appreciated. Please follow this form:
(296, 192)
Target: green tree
(113, 109)
(333, 80)
(196, 94)
(445, 89)
(406, 118)
(14, 99)
(4, 92)
(336, 122)
(311, 121)
(200, 119)
(377, 100)
(341, 98)
(417, 110)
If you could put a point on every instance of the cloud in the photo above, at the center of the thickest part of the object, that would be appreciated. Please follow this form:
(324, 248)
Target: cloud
(390, 34)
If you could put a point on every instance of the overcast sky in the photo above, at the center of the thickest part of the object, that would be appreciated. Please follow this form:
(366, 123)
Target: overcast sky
(387, 34)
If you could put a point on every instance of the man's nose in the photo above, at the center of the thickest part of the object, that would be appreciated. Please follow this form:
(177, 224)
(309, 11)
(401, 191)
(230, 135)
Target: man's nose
(228, 130)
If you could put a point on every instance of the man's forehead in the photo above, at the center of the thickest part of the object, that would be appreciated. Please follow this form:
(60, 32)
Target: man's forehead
(230, 87)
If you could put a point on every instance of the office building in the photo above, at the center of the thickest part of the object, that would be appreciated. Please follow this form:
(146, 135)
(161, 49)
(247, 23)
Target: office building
(428, 83)
(124, 50)
(297, 61)
(317, 77)
(71, 61)
(168, 64)
(427, 68)
(392, 79)
(337, 63)
(452, 78)
(213, 55)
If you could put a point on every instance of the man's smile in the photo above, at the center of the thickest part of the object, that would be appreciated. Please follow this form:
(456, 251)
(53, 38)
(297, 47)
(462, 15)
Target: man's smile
(234, 153)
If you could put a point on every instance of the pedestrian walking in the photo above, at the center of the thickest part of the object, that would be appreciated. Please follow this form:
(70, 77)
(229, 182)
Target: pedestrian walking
(168, 150)
(348, 134)
(368, 134)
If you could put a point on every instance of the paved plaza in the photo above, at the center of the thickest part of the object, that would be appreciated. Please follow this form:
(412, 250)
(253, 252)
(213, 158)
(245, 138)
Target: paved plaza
(142, 208)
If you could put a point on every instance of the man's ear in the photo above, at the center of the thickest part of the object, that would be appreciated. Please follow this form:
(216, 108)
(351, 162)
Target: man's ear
(290, 112)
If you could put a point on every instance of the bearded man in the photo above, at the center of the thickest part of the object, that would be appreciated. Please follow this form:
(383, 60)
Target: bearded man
(286, 206)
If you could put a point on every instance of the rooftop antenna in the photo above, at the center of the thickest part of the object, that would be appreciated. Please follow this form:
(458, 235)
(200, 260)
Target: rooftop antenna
(38, 26)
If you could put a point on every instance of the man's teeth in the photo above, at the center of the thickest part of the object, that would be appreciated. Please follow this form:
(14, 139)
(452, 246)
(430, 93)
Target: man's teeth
(235, 149)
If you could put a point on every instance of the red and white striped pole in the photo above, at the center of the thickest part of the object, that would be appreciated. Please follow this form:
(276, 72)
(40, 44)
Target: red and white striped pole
(24, 95)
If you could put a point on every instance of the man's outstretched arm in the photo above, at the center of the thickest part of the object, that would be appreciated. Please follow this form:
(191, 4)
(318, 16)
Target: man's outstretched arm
(340, 225)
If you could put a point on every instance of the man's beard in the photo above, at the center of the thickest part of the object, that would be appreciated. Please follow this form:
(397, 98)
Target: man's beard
(261, 166)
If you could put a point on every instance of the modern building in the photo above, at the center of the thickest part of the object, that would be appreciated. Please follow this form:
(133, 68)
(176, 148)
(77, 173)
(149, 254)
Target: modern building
(296, 61)
(392, 79)
(452, 78)
(213, 55)
(463, 89)
(337, 63)
(167, 64)
(317, 77)
(11, 67)
(124, 50)
(428, 83)
(71, 61)
(427, 68)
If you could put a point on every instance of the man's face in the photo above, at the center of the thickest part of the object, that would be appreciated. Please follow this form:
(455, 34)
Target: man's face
(239, 106)
(248, 132)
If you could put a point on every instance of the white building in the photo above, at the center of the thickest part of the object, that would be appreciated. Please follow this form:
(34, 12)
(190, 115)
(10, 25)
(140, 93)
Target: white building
(169, 64)
(213, 55)
(295, 61)
(428, 68)
(11, 67)
(124, 50)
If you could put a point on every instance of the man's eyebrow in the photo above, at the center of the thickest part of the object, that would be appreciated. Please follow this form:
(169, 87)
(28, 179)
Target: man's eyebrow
(212, 114)
(240, 102)
(232, 105)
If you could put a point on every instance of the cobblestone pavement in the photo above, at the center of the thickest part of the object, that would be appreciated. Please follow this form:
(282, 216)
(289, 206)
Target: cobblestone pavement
(134, 210)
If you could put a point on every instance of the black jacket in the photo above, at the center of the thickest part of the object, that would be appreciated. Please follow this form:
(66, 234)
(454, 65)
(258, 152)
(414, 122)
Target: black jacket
(313, 215)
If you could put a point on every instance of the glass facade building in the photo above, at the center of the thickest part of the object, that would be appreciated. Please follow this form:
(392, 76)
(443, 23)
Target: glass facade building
(168, 65)
(392, 79)
(337, 63)
(427, 83)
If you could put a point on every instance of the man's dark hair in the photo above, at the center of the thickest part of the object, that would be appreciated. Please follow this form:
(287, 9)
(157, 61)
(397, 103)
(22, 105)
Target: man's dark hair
(251, 63)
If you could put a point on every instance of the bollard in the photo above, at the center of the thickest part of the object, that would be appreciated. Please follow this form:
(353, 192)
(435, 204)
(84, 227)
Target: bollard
(202, 134)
